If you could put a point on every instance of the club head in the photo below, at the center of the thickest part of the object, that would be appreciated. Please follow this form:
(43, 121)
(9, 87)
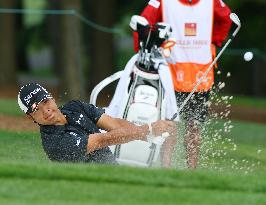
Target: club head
(236, 20)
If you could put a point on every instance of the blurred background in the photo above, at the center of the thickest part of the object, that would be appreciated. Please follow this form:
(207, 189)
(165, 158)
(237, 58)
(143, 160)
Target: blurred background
(71, 45)
(68, 45)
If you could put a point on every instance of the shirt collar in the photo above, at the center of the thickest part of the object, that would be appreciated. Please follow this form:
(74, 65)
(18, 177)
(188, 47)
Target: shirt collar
(52, 129)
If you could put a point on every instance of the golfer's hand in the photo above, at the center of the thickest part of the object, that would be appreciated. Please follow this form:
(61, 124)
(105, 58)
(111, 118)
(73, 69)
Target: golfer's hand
(161, 126)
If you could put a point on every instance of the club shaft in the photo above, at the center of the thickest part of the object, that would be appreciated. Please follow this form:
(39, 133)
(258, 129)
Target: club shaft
(202, 78)
(208, 69)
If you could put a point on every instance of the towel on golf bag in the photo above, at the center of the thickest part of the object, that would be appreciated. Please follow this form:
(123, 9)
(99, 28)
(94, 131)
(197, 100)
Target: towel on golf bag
(165, 78)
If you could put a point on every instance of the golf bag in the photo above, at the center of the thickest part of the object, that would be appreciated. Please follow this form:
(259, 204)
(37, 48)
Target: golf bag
(140, 96)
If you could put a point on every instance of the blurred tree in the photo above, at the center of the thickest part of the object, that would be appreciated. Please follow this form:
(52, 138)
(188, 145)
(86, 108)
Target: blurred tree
(101, 46)
(130, 8)
(7, 46)
(22, 41)
(55, 38)
(66, 40)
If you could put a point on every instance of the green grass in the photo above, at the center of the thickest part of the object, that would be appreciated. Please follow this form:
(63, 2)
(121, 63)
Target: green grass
(240, 150)
(80, 184)
(10, 107)
(21, 146)
(28, 177)
(249, 101)
(250, 141)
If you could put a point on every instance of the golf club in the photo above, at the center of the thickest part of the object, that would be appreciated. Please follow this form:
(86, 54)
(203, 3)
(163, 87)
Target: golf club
(236, 20)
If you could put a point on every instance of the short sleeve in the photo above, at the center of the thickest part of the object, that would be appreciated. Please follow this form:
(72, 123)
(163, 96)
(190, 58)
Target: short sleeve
(93, 112)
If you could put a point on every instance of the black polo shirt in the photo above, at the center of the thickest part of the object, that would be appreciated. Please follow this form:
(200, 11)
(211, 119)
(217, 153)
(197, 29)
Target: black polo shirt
(68, 143)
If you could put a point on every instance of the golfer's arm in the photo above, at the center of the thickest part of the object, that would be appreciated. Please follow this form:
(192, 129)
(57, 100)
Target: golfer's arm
(109, 123)
(119, 132)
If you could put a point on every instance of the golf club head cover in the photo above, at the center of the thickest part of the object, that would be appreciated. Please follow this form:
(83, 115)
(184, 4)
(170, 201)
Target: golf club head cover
(138, 22)
(164, 29)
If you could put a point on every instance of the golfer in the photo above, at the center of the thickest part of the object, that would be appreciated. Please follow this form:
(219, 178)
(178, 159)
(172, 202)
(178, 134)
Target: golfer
(71, 133)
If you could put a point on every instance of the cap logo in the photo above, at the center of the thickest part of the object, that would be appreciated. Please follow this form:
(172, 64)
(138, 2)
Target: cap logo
(29, 96)
(33, 106)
